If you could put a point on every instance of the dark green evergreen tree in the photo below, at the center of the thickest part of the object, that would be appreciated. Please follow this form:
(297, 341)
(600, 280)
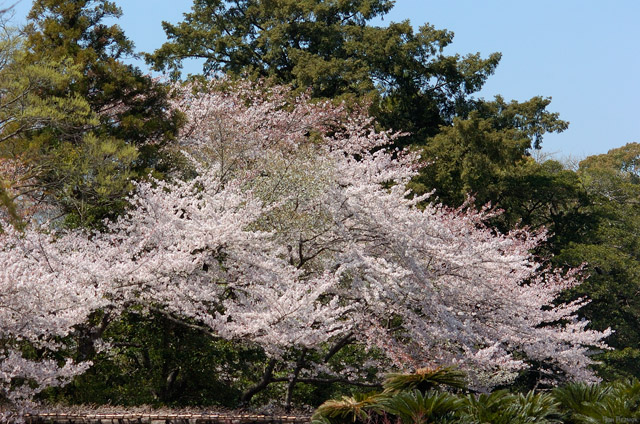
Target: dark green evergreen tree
(611, 250)
(480, 151)
(331, 47)
(24, 110)
(86, 172)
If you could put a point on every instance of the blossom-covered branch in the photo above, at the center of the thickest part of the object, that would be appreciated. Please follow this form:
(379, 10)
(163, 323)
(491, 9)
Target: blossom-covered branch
(291, 229)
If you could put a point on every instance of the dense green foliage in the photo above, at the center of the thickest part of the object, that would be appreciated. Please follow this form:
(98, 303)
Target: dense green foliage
(330, 47)
(89, 123)
(477, 154)
(575, 403)
(156, 361)
(131, 106)
(610, 248)
(23, 110)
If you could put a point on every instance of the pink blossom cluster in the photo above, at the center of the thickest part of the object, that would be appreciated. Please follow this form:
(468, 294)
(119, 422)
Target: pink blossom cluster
(293, 230)
(46, 289)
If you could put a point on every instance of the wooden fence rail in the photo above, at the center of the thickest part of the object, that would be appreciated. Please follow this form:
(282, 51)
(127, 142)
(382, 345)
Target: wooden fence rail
(150, 418)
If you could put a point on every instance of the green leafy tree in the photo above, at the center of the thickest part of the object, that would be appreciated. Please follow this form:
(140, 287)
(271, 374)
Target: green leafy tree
(476, 154)
(546, 194)
(131, 106)
(611, 250)
(24, 110)
(330, 47)
(85, 171)
(487, 155)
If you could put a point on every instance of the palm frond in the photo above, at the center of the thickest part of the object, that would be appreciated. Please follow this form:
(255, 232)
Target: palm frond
(347, 409)
(416, 407)
(502, 407)
(425, 379)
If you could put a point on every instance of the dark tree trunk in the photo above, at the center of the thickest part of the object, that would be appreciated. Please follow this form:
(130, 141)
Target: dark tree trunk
(267, 378)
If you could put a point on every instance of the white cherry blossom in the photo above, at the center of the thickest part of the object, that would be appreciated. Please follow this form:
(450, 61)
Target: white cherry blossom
(292, 229)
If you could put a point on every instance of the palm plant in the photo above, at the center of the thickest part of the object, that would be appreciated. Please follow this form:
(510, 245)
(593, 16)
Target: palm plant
(425, 379)
(502, 407)
(416, 407)
(489, 408)
(615, 403)
(581, 400)
(537, 408)
(348, 409)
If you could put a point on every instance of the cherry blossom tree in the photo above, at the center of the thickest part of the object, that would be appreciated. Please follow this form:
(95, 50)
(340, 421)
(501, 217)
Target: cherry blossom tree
(458, 292)
(45, 290)
(291, 229)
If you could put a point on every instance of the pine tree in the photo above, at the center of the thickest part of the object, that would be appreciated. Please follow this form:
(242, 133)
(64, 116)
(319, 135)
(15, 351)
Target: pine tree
(331, 47)
(86, 171)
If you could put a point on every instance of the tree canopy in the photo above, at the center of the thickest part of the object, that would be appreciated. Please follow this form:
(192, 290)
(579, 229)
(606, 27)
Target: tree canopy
(90, 123)
(331, 47)
(300, 248)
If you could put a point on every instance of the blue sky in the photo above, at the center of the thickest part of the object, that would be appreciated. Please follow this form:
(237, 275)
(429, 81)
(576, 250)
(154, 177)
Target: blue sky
(585, 54)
